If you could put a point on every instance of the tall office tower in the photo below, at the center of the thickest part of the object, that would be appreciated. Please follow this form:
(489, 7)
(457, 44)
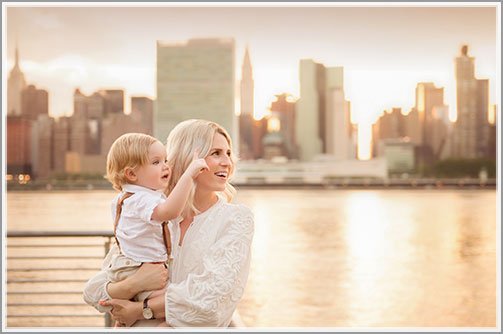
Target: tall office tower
(142, 113)
(246, 116)
(259, 133)
(284, 109)
(391, 125)
(18, 145)
(42, 153)
(310, 110)
(15, 85)
(338, 127)
(472, 98)
(61, 143)
(433, 131)
(86, 127)
(113, 100)
(195, 80)
(34, 102)
(493, 137)
(322, 113)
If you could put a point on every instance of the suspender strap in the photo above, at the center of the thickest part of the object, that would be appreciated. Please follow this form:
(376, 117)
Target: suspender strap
(118, 215)
(167, 238)
(165, 230)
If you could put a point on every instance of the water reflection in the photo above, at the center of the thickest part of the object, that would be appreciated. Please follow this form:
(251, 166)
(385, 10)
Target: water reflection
(372, 258)
(340, 258)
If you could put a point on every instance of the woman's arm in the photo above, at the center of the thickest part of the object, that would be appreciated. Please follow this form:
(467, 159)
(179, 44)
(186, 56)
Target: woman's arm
(209, 298)
(148, 277)
(128, 312)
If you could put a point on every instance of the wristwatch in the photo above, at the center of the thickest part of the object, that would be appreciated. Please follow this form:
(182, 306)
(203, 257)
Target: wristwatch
(147, 311)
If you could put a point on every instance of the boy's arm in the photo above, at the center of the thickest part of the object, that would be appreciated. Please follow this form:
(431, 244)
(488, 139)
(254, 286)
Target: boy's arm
(172, 207)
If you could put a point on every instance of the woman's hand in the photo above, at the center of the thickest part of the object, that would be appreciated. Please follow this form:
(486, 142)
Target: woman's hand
(125, 312)
(150, 276)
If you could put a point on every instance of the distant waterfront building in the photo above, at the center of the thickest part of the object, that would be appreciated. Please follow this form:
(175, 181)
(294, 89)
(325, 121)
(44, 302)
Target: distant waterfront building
(433, 130)
(16, 83)
(86, 122)
(142, 113)
(399, 154)
(18, 145)
(195, 79)
(310, 110)
(391, 124)
(113, 100)
(246, 116)
(471, 131)
(322, 113)
(61, 143)
(42, 154)
(493, 136)
(34, 102)
(284, 109)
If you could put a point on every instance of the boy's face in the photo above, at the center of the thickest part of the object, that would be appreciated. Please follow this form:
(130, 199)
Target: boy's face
(155, 174)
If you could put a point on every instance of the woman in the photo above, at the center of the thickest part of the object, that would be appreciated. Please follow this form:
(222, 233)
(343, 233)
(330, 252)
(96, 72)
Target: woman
(211, 244)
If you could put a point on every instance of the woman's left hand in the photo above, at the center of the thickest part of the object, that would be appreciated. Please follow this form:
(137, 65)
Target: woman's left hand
(124, 311)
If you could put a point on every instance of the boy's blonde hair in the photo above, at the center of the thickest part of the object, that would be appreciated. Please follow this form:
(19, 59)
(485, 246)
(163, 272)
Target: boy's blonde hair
(186, 138)
(129, 150)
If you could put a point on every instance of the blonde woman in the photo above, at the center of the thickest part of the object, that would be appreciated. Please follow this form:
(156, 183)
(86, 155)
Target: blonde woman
(211, 244)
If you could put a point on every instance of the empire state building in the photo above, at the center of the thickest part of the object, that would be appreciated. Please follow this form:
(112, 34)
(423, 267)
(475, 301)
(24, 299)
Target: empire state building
(15, 85)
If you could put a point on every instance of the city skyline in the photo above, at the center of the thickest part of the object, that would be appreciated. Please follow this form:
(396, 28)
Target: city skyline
(383, 55)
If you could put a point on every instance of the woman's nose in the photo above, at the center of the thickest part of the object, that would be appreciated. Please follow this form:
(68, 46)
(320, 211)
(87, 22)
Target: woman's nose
(226, 160)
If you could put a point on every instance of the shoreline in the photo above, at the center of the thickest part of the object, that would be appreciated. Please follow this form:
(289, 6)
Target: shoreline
(365, 183)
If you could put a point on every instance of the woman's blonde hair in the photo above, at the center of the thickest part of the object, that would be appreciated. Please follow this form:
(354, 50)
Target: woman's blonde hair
(186, 138)
(129, 150)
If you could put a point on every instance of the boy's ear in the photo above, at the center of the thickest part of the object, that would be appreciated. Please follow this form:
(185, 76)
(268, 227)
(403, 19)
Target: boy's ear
(130, 174)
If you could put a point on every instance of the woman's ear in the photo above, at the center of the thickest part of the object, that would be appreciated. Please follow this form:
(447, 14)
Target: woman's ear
(130, 174)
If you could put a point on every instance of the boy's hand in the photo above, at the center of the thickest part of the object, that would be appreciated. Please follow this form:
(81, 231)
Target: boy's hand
(197, 166)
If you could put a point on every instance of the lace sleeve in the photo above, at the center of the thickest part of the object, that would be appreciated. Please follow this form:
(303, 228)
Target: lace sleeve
(209, 299)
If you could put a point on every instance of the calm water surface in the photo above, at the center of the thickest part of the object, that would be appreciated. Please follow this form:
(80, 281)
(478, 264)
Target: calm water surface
(337, 258)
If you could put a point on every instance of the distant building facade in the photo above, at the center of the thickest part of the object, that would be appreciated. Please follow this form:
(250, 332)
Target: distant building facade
(246, 116)
(16, 83)
(195, 79)
(471, 130)
(142, 113)
(322, 113)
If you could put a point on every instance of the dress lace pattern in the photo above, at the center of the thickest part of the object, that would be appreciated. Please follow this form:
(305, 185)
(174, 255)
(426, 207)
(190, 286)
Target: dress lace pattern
(209, 298)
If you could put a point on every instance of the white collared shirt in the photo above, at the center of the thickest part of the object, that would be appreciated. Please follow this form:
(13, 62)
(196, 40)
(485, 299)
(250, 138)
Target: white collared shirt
(139, 236)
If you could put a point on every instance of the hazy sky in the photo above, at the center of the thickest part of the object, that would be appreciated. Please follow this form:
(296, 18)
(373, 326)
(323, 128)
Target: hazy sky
(385, 51)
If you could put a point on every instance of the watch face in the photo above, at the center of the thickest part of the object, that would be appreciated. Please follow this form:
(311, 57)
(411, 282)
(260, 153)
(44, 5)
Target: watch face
(147, 313)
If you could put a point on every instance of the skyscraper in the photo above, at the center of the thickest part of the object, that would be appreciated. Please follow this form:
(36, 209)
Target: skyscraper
(433, 130)
(284, 109)
(142, 111)
(246, 150)
(322, 113)
(472, 98)
(15, 85)
(310, 109)
(34, 102)
(195, 80)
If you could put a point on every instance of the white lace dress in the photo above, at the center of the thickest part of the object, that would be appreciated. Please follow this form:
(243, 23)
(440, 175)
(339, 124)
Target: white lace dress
(209, 271)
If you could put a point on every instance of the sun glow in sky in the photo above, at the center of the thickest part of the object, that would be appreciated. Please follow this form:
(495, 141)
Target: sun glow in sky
(385, 50)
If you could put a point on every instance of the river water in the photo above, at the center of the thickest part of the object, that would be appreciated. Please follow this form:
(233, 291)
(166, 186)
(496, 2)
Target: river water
(329, 258)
